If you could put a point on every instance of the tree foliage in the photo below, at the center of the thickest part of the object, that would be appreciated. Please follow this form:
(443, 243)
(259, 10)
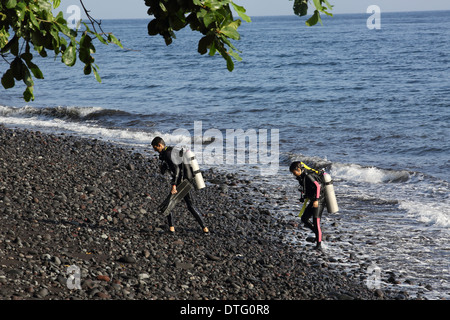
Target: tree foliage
(301, 9)
(29, 26)
(212, 18)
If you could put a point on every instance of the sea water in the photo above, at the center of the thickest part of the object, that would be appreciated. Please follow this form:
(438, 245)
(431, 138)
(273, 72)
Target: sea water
(370, 106)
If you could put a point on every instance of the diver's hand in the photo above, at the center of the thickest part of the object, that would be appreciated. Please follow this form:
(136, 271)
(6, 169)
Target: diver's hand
(316, 204)
(174, 189)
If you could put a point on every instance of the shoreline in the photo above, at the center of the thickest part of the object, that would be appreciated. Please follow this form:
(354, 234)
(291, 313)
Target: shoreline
(69, 201)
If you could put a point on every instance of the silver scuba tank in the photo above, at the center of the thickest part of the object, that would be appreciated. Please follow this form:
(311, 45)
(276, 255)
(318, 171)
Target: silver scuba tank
(330, 197)
(189, 159)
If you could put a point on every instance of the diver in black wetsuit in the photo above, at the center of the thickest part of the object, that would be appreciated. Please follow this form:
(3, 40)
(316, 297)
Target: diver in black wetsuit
(312, 189)
(179, 172)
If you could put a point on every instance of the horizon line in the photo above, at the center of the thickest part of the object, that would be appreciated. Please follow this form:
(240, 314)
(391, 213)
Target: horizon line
(289, 15)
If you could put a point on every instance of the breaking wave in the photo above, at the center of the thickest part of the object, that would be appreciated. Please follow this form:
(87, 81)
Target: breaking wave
(67, 113)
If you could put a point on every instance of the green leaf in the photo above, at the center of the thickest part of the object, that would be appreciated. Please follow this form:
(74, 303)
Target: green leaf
(56, 3)
(15, 45)
(328, 4)
(28, 94)
(21, 10)
(152, 27)
(11, 4)
(201, 14)
(235, 55)
(314, 19)
(60, 19)
(55, 39)
(37, 38)
(230, 63)
(36, 71)
(112, 38)
(204, 43)
(212, 49)
(16, 67)
(44, 5)
(85, 49)
(97, 76)
(8, 79)
(87, 27)
(33, 20)
(209, 18)
(26, 75)
(177, 22)
(27, 57)
(230, 30)
(69, 56)
(318, 4)
(102, 40)
(12, 45)
(4, 36)
(87, 69)
(162, 6)
(301, 7)
(241, 12)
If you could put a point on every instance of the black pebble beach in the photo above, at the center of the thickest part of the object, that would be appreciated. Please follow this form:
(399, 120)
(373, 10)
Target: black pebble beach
(67, 201)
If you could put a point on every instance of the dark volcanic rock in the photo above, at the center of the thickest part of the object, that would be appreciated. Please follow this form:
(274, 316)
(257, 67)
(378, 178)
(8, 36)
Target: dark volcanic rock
(86, 211)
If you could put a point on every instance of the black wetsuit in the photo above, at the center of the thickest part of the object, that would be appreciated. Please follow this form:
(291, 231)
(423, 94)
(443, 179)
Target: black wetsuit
(179, 172)
(312, 189)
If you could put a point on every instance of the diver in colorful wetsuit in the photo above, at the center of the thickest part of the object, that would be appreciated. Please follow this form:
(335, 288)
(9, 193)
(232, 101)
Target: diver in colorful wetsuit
(179, 172)
(311, 188)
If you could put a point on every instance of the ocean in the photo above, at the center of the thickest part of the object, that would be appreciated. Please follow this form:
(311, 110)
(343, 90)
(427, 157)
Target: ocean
(370, 106)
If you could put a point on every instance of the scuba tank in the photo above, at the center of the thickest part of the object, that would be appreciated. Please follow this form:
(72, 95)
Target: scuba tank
(189, 159)
(330, 197)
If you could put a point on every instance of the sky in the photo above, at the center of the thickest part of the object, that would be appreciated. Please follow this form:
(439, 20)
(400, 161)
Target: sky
(115, 9)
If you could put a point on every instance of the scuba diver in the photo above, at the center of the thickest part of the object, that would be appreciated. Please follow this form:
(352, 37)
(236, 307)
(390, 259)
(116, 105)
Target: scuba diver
(179, 173)
(312, 189)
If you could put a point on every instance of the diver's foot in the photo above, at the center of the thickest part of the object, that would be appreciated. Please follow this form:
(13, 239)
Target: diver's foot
(318, 247)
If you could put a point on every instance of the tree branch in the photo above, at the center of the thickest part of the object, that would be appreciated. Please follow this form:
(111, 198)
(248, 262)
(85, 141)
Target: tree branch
(92, 20)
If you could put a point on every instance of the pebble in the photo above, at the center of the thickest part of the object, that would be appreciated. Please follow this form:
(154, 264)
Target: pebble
(42, 293)
(183, 265)
(127, 259)
(103, 278)
(212, 257)
(143, 276)
(82, 205)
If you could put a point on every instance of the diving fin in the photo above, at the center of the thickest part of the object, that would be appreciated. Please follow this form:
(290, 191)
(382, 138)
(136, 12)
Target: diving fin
(305, 203)
(172, 199)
